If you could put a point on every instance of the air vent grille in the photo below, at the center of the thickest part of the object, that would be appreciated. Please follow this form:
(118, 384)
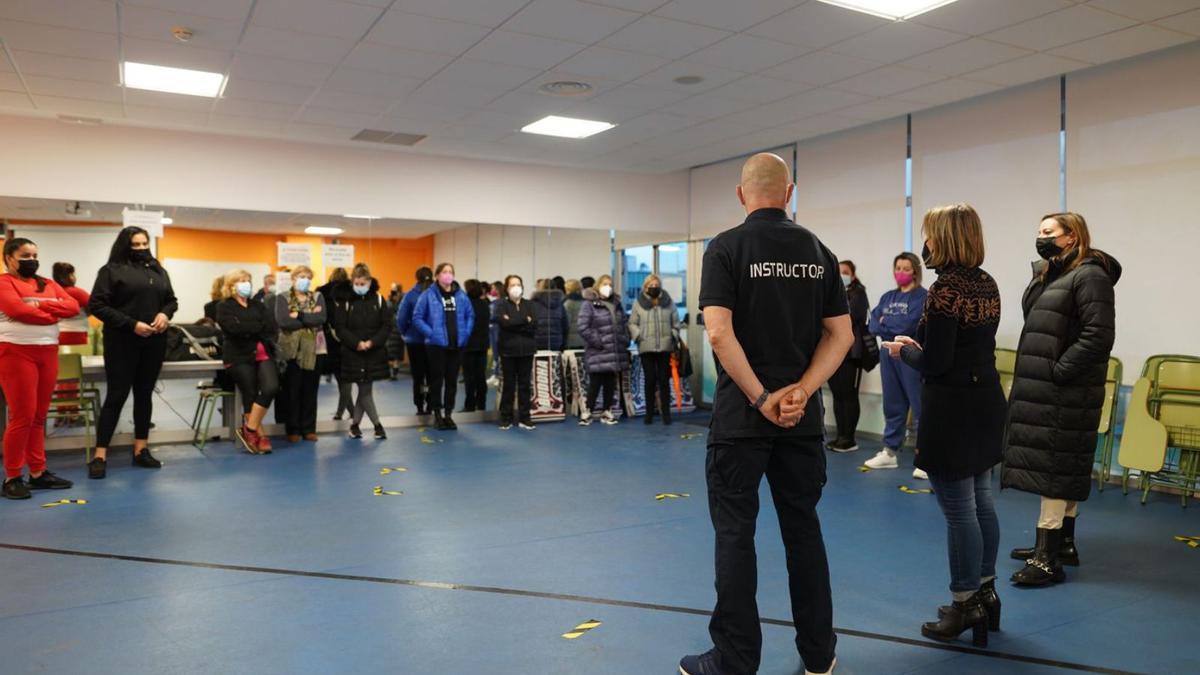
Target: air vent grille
(389, 137)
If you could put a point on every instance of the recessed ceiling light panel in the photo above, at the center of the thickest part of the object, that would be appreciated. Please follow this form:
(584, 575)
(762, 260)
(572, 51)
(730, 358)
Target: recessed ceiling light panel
(172, 80)
(895, 10)
(566, 127)
(316, 229)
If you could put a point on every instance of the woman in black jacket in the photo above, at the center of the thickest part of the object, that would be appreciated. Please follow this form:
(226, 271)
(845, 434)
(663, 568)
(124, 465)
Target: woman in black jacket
(362, 324)
(1058, 388)
(134, 299)
(844, 383)
(474, 366)
(336, 292)
(517, 320)
(960, 435)
(250, 334)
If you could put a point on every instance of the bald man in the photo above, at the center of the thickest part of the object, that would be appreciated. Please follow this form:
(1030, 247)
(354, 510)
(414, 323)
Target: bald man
(776, 315)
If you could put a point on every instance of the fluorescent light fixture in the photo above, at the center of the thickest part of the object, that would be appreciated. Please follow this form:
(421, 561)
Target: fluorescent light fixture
(360, 216)
(566, 127)
(896, 10)
(316, 229)
(172, 80)
(168, 221)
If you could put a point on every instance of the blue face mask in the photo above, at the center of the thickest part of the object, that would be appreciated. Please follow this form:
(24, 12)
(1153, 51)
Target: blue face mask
(302, 284)
(361, 290)
(244, 289)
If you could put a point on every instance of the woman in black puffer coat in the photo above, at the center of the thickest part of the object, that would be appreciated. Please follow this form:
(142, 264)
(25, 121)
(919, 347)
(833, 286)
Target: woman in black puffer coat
(363, 324)
(604, 329)
(1058, 389)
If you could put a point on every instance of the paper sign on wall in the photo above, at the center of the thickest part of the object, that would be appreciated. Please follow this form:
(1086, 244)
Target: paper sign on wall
(283, 282)
(150, 221)
(337, 255)
(291, 255)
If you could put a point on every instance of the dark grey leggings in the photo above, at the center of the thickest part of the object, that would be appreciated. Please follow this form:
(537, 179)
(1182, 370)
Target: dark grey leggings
(365, 403)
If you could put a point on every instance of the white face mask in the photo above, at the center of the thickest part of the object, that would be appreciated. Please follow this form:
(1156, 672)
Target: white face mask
(846, 279)
(516, 292)
(605, 291)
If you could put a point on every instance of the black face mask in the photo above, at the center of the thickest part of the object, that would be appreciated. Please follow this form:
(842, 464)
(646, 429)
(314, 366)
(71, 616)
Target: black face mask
(140, 255)
(1047, 248)
(27, 269)
(654, 292)
(925, 255)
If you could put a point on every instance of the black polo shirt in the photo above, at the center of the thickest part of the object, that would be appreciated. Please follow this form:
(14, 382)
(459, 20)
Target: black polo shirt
(780, 281)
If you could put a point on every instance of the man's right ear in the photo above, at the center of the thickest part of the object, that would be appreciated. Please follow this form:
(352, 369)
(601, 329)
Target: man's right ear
(741, 197)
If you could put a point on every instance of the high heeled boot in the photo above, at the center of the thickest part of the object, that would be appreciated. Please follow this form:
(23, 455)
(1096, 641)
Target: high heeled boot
(991, 603)
(968, 614)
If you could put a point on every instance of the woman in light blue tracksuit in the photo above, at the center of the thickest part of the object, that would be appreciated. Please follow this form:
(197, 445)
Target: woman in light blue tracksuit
(898, 313)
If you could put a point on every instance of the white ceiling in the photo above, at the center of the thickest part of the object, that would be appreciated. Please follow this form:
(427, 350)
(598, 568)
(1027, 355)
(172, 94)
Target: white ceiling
(23, 209)
(466, 72)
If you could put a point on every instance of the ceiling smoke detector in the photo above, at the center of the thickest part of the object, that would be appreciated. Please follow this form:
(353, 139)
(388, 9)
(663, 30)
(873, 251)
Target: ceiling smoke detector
(689, 79)
(566, 88)
(182, 33)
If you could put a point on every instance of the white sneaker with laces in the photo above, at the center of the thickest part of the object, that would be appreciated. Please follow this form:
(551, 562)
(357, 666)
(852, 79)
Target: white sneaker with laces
(920, 475)
(884, 459)
(607, 418)
(585, 420)
(526, 427)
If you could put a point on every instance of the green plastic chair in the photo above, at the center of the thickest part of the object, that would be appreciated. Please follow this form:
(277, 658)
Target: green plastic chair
(206, 407)
(73, 403)
(1170, 397)
(1108, 414)
(1006, 365)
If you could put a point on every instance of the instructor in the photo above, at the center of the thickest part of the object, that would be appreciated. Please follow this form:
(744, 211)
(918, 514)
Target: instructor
(776, 314)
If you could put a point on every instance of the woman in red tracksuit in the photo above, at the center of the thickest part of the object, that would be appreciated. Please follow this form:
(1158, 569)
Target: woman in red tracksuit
(30, 309)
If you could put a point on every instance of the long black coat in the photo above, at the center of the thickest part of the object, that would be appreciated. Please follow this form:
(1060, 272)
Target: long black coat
(359, 319)
(1058, 387)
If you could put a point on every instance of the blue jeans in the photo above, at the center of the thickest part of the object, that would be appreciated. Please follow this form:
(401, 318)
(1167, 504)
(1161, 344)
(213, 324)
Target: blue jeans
(972, 528)
(901, 391)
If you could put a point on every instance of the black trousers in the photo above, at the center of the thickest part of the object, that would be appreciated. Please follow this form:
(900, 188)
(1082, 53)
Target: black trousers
(131, 363)
(257, 382)
(596, 382)
(443, 377)
(656, 368)
(518, 382)
(474, 370)
(299, 396)
(795, 470)
(846, 409)
(418, 363)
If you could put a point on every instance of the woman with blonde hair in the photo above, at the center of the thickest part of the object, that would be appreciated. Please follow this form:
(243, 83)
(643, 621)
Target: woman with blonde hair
(654, 327)
(250, 334)
(214, 298)
(300, 314)
(961, 432)
(1058, 388)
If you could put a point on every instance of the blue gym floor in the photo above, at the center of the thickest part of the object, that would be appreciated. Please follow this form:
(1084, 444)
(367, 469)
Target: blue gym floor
(224, 562)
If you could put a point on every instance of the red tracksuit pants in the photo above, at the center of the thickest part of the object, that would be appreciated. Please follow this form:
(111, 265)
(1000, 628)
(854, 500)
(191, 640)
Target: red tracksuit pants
(28, 374)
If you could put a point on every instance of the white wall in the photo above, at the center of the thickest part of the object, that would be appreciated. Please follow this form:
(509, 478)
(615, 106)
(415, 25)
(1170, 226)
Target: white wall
(86, 248)
(492, 252)
(138, 165)
(192, 281)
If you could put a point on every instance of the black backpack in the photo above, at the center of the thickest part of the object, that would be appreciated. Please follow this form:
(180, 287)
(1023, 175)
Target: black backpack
(193, 342)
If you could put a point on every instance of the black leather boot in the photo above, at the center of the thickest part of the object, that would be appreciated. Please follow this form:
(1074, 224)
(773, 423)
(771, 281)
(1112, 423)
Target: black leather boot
(1043, 568)
(439, 422)
(961, 616)
(1067, 555)
(991, 604)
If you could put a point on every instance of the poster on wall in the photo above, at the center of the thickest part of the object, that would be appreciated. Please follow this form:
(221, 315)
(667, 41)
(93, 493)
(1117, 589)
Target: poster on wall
(150, 221)
(337, 255)
(291, 255)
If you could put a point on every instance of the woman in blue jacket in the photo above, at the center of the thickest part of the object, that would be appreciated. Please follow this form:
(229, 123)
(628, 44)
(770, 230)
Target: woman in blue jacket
(444, 317)
(898, 313)
(418, 360)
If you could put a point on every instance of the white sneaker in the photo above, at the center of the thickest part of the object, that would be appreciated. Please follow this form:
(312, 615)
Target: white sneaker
(505, 427)
(920, 475)
(585, 420)
(831, 667)
(526, 427)
(493, 382)
(607, 418)
(884, 459)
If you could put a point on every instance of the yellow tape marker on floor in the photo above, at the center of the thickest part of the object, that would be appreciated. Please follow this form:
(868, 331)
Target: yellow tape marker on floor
(391, 469)
(1193, 542)
(380, 492)
(864, 469)
(671, 495)
(581, 629)
(921, 491)
(689, 436)
(430, 441)
(64, 502)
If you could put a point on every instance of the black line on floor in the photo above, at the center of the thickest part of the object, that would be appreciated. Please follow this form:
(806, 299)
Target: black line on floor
(849, 632)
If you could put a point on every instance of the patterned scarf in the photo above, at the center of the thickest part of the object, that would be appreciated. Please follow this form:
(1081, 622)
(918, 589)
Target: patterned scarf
(300, 344)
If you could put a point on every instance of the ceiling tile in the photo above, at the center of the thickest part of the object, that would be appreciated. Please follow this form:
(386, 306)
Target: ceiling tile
(175, 55)
(747, 53)
(816, 25)
(270, 111)
(611, 112)
(734, 16)
(707, 106)
(466, 132)
(247, 125)
(491, 13)
(263, 41)
(508, 122)
(316, 17)
(965, 56)
(75, 106)
(896, 42)
(158, 99)
(663, 37)
(427, 113)
(887, 80)
(527, 107)
(1060, 28)
(285, 71)
(413, 31)
(517, 49)
(569, 20)
(166, 116)
(454, 95)
(1122, 44)
(878, 109)
(58, 40)
(713, 77)
(35, 63)
(481, 73)
(946, 91)
(273, 92)
(370, 83)
(1027, 69)
(155, 24)
(321, 132)
(398, 124)
(1188, 22)
(366, 104)
(819, 101)
(632, 5)
(821, 68)
(1146, 10)
(94, 91)
(338, 118)
(636, 95)
(94, 15)
(760, 89)
(234, 10)
(976, 17)
(12, 99)
(387, 59)
(612, 64)
(12, 82)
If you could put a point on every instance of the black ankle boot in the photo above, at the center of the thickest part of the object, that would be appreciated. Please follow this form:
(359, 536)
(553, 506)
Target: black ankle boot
(146, 460)
(439, 422)
(991, 604)
(1067, 554)
(649, 417)
(449, 422)
(968, 614)
(1043, 568)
